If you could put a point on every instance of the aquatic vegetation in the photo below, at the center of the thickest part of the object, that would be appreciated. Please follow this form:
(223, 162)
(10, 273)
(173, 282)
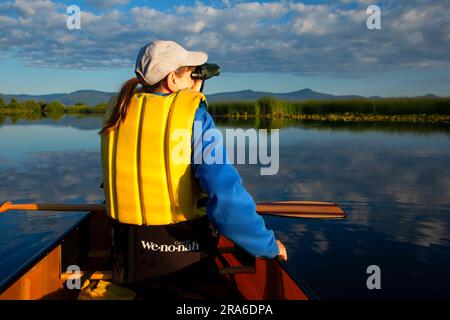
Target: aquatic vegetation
(84, 109)
(368, 110)
(415, 110)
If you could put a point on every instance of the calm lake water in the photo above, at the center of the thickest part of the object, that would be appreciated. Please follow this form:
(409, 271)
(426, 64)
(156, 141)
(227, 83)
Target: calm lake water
(393, 181)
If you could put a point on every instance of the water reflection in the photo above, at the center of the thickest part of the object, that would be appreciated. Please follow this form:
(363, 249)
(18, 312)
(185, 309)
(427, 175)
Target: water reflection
(383, 127)
(393, 181)
(71, 176)
(91, 122)
(432, 232)
(396, 190)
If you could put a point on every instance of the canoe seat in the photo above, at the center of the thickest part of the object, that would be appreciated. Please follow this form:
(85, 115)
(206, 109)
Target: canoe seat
(97, 275)
(245, 262)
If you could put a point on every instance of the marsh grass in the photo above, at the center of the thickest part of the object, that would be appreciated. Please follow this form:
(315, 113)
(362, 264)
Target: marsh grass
(424, 109)
(389, 109)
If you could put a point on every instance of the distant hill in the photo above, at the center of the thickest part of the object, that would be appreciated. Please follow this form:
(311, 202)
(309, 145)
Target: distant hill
(93, 97)
(247, 95)
(88, 97)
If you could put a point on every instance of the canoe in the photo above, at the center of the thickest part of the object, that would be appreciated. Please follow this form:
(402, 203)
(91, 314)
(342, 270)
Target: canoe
(84, 242)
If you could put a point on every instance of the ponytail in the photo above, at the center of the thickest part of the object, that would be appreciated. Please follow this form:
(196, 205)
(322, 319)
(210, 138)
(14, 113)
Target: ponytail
(121, 107)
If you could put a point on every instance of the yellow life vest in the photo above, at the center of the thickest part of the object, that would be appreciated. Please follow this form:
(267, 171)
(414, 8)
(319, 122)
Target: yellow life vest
(145, 181)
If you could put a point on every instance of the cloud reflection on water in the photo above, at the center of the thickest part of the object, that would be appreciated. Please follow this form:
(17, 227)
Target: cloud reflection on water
(66, 176)
(386, 190)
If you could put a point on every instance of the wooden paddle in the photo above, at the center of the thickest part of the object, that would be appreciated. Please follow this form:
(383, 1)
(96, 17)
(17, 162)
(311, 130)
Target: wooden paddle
(292, 209)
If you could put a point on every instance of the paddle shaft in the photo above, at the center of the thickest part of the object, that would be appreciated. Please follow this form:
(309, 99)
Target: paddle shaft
(293, 209)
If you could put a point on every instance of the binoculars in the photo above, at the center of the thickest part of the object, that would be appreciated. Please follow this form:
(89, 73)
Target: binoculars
(205, 71)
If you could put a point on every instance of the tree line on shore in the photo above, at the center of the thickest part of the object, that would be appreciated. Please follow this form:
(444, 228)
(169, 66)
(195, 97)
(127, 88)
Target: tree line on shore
(420, 109)
(31, 109)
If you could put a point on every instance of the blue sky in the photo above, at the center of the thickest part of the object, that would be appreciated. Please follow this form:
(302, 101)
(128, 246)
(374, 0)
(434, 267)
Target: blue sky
(277, 46)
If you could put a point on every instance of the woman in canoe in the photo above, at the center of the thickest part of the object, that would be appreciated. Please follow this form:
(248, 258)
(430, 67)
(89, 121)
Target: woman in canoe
(166, 213)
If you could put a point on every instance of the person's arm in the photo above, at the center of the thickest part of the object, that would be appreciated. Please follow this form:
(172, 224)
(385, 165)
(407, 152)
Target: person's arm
(230, 207)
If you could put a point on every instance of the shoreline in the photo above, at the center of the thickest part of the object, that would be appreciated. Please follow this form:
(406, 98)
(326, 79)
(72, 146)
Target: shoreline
(346, 117)
(395, 110)
(329, 117)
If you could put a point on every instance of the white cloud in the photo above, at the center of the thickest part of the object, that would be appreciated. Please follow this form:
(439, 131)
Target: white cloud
(7, 21)
(367, 2)
(226, 3)
(280, 36)
(106, 3)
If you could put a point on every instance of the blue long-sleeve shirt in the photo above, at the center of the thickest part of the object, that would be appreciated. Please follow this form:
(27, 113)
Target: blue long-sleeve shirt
(230, 207)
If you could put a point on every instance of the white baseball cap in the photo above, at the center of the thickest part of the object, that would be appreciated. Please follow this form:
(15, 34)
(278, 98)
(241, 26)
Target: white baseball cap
(158, 58)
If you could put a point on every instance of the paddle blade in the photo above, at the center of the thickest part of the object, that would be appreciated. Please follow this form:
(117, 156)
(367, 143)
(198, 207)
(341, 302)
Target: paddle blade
(5, 206)
(302, 209)
(50, 207)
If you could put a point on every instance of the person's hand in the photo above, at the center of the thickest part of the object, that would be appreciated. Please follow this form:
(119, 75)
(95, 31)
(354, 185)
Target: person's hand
(197, 85)
(283, 254)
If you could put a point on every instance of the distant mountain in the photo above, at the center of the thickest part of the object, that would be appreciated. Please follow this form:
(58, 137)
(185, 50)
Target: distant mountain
(93, 97)
(247, 95)
(430, 95)
(88, 97)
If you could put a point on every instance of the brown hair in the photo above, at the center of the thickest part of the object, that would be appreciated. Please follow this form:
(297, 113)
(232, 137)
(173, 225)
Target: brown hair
(129, 88)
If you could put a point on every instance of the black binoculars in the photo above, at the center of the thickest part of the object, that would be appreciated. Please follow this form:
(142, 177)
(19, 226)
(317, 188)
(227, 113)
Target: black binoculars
(205, 71)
